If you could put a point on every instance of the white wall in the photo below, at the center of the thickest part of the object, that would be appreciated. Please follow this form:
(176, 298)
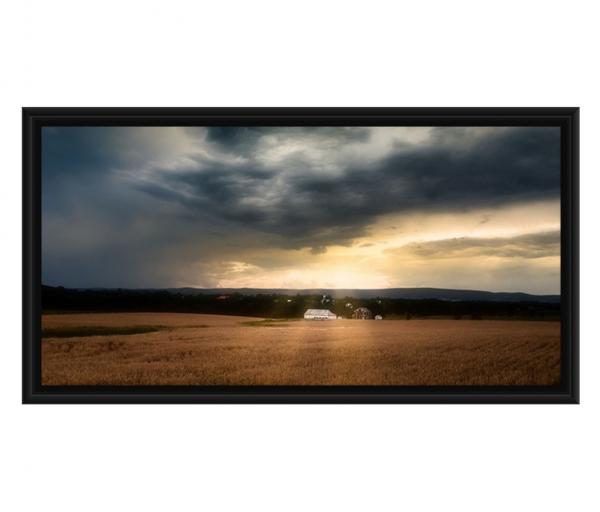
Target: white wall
(317, 53)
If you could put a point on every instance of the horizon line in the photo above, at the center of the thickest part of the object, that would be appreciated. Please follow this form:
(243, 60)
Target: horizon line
(298, 289)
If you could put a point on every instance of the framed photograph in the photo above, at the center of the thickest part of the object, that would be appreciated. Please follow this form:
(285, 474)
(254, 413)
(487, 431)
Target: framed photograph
(300, 255)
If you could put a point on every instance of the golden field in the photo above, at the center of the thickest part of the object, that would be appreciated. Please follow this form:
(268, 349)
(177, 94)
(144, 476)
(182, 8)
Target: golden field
(194, 349)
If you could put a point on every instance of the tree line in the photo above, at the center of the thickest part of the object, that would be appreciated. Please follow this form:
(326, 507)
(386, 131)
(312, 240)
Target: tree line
(59, 299)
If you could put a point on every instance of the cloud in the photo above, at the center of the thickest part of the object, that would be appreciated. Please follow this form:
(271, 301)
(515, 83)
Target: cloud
(457, 169)
(159, 206)
(529, 246)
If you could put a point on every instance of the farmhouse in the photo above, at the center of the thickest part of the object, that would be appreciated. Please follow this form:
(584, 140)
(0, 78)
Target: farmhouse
(319, 314)
(362, 314)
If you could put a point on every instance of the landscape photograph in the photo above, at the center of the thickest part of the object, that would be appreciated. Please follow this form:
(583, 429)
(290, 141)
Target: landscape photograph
(300, 256)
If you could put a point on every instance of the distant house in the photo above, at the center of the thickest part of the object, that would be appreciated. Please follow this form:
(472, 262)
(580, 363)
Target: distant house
(378, 317)
(362, 314)
(319, 314)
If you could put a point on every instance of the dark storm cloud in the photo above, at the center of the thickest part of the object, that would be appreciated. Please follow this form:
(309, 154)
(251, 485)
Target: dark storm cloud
(235, 139)
(458, 170)
(530, 246)
(71, 156)
(515, 165)
(92, 151)
(232, 137)
(72, 150)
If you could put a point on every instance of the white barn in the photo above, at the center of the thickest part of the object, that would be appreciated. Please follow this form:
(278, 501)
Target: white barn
(319, 314)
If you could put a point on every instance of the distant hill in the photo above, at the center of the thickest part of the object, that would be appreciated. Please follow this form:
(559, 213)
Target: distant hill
(385, 293)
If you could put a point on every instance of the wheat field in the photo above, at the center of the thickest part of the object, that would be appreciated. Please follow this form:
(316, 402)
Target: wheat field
(190, 349)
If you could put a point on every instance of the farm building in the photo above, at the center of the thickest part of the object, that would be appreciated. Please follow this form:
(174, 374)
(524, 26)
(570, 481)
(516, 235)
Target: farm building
(319, 314)
(362, 314)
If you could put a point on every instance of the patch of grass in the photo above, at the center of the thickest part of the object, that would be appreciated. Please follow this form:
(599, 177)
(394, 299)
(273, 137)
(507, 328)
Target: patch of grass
(79, 331)
(270, 322)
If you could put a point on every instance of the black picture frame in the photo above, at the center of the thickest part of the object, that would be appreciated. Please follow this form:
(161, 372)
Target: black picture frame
(36, 118)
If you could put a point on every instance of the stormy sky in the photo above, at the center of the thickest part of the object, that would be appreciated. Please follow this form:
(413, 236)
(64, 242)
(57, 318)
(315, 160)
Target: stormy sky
(302, 207)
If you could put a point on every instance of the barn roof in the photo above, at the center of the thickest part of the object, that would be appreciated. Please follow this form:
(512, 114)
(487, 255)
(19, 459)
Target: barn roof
(318, 312)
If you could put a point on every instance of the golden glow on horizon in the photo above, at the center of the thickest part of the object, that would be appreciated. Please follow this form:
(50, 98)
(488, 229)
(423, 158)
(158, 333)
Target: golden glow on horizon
(385, 257)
